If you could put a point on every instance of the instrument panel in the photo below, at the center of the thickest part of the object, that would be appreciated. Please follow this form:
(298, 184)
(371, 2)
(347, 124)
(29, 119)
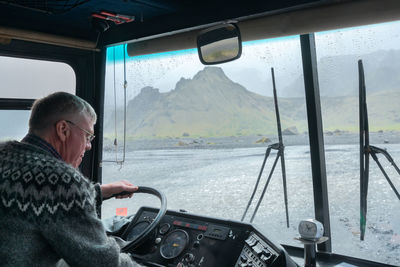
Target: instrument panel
(187, 240)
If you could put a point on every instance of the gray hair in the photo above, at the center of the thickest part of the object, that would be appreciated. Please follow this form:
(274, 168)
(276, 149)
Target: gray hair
(58, 106)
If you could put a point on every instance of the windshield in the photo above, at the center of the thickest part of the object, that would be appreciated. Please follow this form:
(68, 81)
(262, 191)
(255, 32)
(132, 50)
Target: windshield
(200, 134)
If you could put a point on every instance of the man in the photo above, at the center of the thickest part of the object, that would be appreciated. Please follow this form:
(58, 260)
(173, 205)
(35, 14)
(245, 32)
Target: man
(47, 207)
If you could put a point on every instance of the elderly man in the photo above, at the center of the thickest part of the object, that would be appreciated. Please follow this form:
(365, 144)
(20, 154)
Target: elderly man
(47, 207)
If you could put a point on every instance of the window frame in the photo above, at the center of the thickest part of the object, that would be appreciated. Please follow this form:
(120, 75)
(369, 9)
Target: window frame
(89, 69)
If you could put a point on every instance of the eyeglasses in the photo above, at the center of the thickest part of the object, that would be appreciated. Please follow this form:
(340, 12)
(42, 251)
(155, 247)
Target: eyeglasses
(89, 137)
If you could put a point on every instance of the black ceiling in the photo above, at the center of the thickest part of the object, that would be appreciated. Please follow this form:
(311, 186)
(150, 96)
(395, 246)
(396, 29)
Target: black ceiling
(73, 18)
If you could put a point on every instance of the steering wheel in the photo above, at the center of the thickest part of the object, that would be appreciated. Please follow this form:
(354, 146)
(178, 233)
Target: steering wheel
(142, 236)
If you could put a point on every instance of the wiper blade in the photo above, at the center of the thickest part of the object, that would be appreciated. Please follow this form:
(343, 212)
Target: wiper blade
(365, 150)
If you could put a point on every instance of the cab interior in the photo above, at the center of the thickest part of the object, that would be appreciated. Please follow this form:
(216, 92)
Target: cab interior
(79, 33)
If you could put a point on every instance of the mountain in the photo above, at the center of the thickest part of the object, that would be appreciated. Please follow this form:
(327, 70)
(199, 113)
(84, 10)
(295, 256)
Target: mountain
(210, 104)
(338, 75)
(342, 112)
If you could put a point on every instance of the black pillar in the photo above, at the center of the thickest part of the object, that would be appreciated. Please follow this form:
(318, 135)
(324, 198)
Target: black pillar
(315, 131)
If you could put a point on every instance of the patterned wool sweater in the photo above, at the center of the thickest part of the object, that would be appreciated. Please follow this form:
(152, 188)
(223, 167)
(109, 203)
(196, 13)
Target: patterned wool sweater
(47, 212)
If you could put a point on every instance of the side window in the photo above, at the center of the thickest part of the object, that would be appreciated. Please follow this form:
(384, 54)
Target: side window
(13, 131)
(29, 79)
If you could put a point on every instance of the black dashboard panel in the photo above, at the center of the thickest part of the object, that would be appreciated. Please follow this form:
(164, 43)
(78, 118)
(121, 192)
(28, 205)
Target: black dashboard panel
(184, 239)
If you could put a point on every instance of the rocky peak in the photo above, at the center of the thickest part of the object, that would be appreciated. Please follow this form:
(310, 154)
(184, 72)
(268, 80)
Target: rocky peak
(149, 91)
(211, 73)
(182, 83)
(146, 96)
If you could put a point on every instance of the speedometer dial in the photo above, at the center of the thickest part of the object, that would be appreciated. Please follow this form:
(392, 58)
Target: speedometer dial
(174, 243)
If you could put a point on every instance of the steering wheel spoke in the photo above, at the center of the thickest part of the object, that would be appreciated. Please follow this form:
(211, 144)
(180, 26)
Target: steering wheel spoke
(132, 244)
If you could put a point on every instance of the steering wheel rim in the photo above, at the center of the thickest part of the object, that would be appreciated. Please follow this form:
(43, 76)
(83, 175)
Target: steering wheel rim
(163, 209)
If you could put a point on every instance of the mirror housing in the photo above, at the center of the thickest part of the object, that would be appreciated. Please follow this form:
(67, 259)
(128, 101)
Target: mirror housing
(219, 44)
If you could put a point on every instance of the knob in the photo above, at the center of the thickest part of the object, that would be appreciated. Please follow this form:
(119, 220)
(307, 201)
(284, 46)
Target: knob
(158, 240)
(189, 257)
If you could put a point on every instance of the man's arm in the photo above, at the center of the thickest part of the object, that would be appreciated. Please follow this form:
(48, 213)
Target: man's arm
(120, 189)
(79, 237)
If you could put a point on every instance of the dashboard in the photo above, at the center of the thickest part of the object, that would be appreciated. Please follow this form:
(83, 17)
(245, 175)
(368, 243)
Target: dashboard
(182, 239)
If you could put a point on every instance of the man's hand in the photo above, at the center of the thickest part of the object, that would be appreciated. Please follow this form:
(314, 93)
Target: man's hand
(116, 188)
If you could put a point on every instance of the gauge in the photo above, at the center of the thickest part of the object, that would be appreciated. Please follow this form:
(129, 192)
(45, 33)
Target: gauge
(174, 244)
(137, 229)
(164, 228)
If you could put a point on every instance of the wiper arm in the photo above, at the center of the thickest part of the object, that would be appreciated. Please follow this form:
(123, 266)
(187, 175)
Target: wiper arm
(280, 148)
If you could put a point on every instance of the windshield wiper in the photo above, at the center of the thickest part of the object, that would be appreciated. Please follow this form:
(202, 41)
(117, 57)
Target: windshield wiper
(280, 154)
(366, 150)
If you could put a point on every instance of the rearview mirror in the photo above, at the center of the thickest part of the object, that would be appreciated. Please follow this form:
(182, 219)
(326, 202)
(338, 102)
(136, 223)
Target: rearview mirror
(219, 44)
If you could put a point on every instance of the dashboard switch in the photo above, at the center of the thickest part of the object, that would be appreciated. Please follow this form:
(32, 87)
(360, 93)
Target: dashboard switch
(266, 253)
(251, 241)
(196, 244)
(257, 250)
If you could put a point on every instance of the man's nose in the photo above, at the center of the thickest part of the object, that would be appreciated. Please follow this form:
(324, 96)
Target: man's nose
(88, 146)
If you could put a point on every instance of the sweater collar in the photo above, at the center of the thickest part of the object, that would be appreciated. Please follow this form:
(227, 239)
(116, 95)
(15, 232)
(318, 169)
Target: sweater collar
(39, 142)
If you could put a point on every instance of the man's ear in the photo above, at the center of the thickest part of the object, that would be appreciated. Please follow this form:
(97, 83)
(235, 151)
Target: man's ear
(62, 130)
